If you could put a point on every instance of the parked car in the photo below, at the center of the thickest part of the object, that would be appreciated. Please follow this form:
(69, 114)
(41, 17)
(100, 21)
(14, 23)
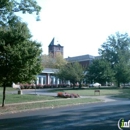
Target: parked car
(95, 85)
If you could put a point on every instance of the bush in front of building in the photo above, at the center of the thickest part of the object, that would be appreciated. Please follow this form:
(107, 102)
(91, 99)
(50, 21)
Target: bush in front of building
(27, 86)
(47, 86)
(63, 85)
(39, 86)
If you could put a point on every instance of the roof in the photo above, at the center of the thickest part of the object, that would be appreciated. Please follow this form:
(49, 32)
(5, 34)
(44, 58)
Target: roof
(50, 70)
(80, 58)
(55, 42)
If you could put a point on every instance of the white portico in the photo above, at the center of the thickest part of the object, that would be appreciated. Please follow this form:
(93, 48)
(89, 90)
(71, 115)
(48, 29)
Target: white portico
(47, 76)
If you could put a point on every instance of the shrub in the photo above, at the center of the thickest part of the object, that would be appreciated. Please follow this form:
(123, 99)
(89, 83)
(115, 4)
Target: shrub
(53, 86)
(39, 86)
(62, 85)
(59, 94)
(67, 95)
(47, 86)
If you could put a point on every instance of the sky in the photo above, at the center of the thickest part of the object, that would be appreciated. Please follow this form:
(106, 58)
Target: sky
(81, 26)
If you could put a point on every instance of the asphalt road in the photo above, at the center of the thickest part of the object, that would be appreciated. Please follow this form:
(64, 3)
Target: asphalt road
(96, 116)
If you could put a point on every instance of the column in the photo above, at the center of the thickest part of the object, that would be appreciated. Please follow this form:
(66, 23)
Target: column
(54, 79)
(48, 76)
(68, 82)
(57, 81)
(41, 80)
(37, 82)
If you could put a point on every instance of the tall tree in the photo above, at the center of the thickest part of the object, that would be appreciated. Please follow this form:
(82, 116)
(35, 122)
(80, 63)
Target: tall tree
(59, 60)
(19, 56)
(100, 71)
(116, 50)
(8, 8)
(49, 61)
(73, 72)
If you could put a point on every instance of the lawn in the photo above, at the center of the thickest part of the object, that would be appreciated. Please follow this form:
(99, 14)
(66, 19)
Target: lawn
(123, 93)
(7, 89)
(38, 102)
(16, 103)
(15, 98)
(90, 91)
(46, 104)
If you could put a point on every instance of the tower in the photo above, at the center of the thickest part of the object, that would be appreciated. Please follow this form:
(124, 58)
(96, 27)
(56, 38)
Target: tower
(55, 48)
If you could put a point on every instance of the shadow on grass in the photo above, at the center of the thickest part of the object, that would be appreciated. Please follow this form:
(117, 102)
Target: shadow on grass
(124, 93)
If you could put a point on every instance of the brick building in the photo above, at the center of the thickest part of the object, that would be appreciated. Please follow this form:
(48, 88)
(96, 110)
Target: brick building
(47, 76)
(55, 48)
(84, 60)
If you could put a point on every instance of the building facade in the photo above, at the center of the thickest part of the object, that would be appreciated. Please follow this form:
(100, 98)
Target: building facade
(84, 60)
(48, 75)
(55, 48)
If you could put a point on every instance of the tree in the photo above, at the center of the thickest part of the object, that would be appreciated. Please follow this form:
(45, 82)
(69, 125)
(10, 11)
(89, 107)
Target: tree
(19, 56)
(116, 50)
(49, 61)
(59, 60)
(73, 72)
(122, 70)
(100, 71)
(8, 8)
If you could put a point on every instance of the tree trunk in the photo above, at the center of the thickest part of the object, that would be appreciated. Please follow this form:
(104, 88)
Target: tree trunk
(80, 85)
(73, 85)
(4, 89)
(118, 84)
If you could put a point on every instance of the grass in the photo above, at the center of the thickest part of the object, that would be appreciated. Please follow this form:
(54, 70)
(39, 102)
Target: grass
(116, 92)
(15, 98)
(7, 89)
(36, 102)
(45, 101)
(52, 104)
(124, 93)
(89, 92)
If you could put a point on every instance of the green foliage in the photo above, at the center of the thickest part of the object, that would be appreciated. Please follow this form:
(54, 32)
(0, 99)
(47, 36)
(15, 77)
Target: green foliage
(9, 8)
(16, 48)
(73, 72)
(48, 61)
(100, 71)
(19, 56)
(116, 51)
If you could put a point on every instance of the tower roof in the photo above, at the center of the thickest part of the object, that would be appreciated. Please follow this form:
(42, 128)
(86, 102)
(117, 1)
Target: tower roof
(54, 42)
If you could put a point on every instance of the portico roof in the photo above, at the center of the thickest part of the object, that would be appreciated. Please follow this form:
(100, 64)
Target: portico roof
(50, 70)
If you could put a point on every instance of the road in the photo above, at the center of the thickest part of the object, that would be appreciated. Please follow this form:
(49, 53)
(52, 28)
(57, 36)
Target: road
(95, 116)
